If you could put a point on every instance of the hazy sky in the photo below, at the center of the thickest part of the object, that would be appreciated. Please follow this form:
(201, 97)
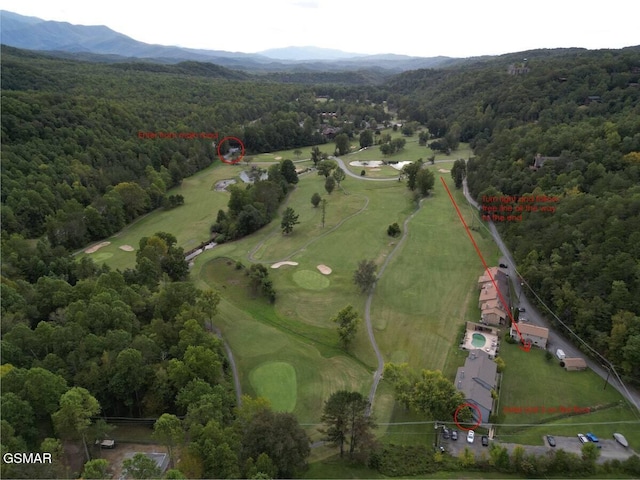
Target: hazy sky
(425, 28)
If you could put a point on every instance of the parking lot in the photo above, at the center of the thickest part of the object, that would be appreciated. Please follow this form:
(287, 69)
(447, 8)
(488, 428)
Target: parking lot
(610, 449)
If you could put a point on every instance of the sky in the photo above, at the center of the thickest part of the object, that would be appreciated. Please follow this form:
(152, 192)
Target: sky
(425, 28)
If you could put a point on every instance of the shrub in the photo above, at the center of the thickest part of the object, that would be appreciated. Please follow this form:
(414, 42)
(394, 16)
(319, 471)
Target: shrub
(393, 230)
(363, 173)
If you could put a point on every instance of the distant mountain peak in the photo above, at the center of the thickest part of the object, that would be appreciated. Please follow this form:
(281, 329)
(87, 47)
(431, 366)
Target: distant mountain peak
(307, 53)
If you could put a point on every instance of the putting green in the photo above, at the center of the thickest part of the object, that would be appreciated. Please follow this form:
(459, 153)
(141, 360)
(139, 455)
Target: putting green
(100, 256)
(276, 381)
(311, 280)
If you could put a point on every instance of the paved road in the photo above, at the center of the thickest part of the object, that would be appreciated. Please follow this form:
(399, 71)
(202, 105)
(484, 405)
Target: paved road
(533, 316)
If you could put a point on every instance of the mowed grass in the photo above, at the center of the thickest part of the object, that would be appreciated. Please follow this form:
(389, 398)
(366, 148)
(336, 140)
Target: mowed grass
(189, 223)
(529, 380)
(258, 335)
(424, 294)
(276, 381)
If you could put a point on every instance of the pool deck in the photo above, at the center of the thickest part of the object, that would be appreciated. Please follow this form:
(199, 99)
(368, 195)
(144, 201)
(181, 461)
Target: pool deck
(490, 346)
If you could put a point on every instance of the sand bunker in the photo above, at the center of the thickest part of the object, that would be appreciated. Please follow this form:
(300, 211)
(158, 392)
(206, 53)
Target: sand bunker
(97, 247)
(278, 158)
(370, 163)
(279, 264)
(400, 165)
(442, 170)
(324, 269)
(126, 248)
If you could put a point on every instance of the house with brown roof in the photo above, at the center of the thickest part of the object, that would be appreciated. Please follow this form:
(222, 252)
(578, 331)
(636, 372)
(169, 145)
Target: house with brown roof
(492, 313)
(574, 363)
(538, 336)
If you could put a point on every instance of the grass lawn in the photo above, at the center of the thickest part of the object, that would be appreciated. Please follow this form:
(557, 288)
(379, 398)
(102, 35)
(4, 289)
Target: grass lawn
(529, 380)
(189, 223)
(277, 382)
(268, 346)
(425, 292)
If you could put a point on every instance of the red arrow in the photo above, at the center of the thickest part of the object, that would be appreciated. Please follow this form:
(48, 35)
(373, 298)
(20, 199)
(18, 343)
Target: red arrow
(524, 345)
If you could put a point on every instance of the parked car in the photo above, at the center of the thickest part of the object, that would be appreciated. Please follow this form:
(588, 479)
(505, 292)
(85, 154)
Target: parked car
(471, 436)
(445, 433)
(485, 441)
(107, 443)
(551, 441)
(503, 265)
(521, 309)
(454, 435)
(591, 437)
(582, 438)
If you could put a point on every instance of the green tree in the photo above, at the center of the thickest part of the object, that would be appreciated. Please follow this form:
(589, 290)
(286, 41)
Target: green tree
(427, 392)
(347, 420)
(288, 170)
(329, 185)
(289, 219)
(393, 230)
(365, 275)
(590, 454)
(339, 175)
(347, 320)
(325, 167)
(297, 152)
(425, 181)
(324, 210)
(279, 436)
(96, 469)
(316, 156)
(366, 138)
(73, 419)
(411, 171)
(141, 467)
(342, 143)
(315, 199)
(458, 172)
(169, 431)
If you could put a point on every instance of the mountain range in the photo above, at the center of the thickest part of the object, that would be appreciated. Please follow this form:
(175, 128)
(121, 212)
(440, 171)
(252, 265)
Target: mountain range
(100, 43)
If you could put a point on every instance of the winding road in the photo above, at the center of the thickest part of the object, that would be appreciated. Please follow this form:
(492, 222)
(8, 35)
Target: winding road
(533, 316)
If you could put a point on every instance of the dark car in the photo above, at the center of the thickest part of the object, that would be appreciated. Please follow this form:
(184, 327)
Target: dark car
(521, 309)
(485, 441)
(503, 265)
(445, 433)
(454, 435)
(551, 441)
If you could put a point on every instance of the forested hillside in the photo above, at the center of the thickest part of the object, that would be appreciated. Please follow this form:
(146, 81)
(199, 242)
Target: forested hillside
(75, 167)
(581, 110)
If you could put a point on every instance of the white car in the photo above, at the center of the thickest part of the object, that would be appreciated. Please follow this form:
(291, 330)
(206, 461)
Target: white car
(582, 438)
(471, 436)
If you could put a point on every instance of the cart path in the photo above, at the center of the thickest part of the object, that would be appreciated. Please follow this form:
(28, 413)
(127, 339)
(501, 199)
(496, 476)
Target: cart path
(377, 376)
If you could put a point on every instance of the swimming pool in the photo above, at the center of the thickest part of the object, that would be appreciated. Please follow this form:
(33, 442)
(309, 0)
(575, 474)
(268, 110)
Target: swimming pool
(478, 340)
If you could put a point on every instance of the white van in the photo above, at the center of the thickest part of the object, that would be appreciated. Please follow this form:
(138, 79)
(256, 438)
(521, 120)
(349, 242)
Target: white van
(560, 354)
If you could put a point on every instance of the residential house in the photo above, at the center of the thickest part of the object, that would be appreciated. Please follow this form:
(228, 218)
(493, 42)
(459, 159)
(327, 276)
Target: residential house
(476, 380)
(537, 335)
(493, 313)
(574, 363)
